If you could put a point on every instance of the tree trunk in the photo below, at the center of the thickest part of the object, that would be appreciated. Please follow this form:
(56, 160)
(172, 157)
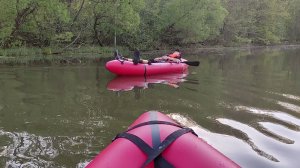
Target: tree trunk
(96, 33)
(19, 21)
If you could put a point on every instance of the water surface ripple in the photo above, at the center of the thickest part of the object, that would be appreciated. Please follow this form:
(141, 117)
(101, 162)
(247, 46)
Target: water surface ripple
(245, 103)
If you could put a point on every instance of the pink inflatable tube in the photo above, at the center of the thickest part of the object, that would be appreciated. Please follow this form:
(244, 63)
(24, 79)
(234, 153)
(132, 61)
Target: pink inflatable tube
(129, 69)
(156, 131)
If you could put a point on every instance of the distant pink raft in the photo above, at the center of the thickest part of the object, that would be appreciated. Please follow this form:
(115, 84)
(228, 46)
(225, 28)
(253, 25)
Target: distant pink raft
(127, 68)
(155, 141)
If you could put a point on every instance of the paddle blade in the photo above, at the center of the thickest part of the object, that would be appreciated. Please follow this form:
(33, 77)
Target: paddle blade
(192, 63)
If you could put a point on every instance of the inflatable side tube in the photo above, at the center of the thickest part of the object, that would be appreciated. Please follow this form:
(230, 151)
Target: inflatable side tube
(187, 151)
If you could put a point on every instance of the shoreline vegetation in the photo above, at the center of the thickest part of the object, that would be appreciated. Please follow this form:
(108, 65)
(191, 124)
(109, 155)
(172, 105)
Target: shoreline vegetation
(94, 54)
(70, 31)
(50, 56)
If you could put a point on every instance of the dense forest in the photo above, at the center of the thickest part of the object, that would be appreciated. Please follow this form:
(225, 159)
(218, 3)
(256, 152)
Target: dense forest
(148, 24)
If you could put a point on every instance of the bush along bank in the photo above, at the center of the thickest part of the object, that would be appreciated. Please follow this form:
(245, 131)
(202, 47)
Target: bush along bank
(36, 56)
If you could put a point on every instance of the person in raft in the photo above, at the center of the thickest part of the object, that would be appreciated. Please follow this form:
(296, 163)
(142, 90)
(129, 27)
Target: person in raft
(137, 58)
(173, 57)
(118, 56)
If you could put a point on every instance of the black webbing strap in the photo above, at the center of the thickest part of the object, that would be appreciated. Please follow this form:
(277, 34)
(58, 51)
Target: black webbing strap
(155, 153)
(145, 71)
(160, 162)
(153, 122)
(168, 141)
(137, 141)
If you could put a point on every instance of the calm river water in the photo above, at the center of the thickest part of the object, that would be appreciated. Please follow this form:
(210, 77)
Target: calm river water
(245, 103)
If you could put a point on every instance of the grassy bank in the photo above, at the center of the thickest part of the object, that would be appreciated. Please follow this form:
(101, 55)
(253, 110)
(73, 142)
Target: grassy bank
(91, 54)
(33, 56)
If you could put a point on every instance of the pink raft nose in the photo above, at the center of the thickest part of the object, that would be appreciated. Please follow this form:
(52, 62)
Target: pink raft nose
(155, 140)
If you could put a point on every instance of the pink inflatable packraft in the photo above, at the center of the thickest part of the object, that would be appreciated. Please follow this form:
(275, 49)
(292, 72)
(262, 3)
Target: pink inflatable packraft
(129, 69)
(156, 141)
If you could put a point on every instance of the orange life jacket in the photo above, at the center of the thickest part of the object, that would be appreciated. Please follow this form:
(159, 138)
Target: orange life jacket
(175, 54)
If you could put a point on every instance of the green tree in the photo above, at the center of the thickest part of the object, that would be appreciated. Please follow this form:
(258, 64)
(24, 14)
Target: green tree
(148, 33)
(255, 21)
(33, 21)
(294, 22)
(147, 24)
(271, 19)
(119, 16)
(191, 21)
(239, 23)
(7, 16)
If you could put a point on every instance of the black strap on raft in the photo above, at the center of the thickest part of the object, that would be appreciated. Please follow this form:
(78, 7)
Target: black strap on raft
(168, 141)
(153, 122)
(155, 154)
(145, 71)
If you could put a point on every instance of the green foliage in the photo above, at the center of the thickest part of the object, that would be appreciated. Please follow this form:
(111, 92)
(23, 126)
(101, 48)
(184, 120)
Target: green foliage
(270, 25)
(260, 21)
(7, 14)
(148, 33)
(64, 37)
(147, 24)
(294, 23)
(48, 21)
(46, 51)
(30, 21)
(110, 17)
(193, 20)
(241, 40)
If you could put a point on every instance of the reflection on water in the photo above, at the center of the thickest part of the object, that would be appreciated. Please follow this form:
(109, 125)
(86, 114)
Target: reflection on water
(127, 83)
(290, 106)
(265, 146)
(274, 114)
(245, 103)
(293, 97)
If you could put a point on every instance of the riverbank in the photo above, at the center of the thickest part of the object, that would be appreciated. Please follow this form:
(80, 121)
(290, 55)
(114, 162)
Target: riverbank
(92, 54)
(34, 56)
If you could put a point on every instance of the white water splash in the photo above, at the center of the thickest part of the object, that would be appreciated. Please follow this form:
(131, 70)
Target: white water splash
(29, 150)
